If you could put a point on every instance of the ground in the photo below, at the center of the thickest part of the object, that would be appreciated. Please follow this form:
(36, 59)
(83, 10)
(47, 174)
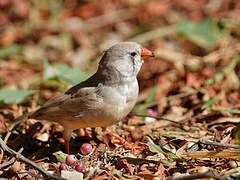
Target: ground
(185, 123)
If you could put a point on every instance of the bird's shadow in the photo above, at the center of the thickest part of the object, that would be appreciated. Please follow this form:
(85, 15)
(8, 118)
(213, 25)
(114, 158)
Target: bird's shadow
(37, 149)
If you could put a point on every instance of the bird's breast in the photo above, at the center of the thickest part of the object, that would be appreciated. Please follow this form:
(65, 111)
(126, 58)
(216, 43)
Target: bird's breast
(121, 99)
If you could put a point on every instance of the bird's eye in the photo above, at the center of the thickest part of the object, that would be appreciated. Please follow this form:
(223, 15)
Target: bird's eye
(133, 54)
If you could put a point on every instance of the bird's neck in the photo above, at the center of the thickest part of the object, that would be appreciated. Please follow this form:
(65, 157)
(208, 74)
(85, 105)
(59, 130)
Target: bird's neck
(113, 76)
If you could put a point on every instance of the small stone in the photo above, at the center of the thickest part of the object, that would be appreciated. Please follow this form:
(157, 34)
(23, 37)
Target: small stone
(149, 120)
(71, 175)
(203, 169)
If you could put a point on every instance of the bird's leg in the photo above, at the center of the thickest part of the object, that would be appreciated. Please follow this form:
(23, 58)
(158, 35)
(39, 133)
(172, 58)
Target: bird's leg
(67, 137)
(67, 148)
(94, 133)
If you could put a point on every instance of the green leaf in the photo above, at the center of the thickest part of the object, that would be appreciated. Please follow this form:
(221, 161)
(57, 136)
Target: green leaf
(70, 75)
(60, 156)
(205, 34)
(63, 72)
(141, 109)
(8, 51)
(161, 150)
(13, 96)
(209, 103)
(55, 83)
(48, 70)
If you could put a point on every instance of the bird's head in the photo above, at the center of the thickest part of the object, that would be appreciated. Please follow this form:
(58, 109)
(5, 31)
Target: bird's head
(125, 58)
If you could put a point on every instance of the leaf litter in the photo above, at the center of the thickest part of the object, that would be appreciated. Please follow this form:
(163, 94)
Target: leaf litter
(186, 120)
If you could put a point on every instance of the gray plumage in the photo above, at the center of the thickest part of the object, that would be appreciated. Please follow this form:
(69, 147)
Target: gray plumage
(103, 99)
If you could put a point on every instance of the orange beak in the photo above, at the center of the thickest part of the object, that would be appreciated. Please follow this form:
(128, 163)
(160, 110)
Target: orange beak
(145, 53)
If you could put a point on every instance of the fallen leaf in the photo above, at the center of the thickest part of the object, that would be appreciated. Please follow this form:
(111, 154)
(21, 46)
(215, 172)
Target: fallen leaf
(11, 50)
(63, 72)
(60, 156)
(13, 96)
(160, 149)
(205, 34)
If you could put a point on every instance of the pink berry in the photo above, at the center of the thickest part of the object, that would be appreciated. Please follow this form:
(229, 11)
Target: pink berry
(71, 160)
(152, 113)
(79, 167)
(86, 148)
(63, 166)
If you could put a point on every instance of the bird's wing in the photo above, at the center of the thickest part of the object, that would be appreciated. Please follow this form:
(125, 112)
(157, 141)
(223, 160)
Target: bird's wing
(85, 100)
(81, 103)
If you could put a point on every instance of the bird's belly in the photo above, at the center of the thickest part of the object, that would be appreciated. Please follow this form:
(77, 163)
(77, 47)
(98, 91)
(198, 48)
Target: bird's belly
(104, 117)
(92, 121)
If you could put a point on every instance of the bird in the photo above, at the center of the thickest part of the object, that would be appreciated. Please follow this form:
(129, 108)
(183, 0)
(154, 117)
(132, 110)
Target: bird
(103, 99)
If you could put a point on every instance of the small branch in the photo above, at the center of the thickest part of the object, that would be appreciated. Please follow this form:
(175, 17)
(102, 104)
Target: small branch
(27, 161)
(17, 121)
(224, 154)
(10, 162)
(208, 174)
(208, 142)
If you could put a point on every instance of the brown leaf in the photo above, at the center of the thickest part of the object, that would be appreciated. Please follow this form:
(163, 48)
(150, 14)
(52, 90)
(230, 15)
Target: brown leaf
(3, 126)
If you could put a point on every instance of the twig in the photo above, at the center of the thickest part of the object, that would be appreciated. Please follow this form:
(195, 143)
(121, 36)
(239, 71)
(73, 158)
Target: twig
(233, 120)
(10, 162)
(28, 161)
(207, 174)
(208, 142)
(17, 121)
(224, 154)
